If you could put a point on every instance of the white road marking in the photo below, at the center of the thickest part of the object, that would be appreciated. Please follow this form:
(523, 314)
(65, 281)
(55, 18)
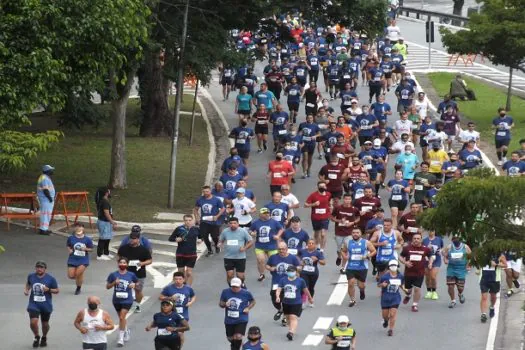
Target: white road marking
(323, 323)
(159, 279)
(144, 299)
(339, 293)
(493, 326)
(313, 340)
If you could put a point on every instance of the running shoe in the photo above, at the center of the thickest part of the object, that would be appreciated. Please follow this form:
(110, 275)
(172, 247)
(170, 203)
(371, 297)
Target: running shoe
(415, 308)
(77, 291)
(462, 299)
(435, 296)
(385, 323)
(120, 343)
(277, 315)
(428, 295)
(516, 284)
(338, 261)
(259, 151)
(265, 146)
(362, 294)
(452, 304)
(36, 342)
(390, 332)
(289, 336)
(500, 162)
(284, 322)
(127, 335)
(209, 253)
(406, 299)
(43, 342)
(261, 277)
(352, 303)
(137, 309)
(217, 249)
(492, 312)
(483, 318)
(510, 292)
(342, 271)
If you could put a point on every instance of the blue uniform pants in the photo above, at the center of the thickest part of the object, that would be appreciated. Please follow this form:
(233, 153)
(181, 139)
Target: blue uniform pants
(46, 210)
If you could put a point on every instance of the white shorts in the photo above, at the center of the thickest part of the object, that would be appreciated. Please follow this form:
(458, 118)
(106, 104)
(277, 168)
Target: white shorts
(515, 265)
(341, 240)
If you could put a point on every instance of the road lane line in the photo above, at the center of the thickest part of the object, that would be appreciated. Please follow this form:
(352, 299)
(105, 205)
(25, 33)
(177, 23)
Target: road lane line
(128, 315)
(339, 293)
(323, 323)
(491, 339)
(313, 340)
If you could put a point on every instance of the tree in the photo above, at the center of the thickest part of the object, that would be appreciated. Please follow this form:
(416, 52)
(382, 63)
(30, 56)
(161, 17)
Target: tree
(497, 32)
(483, 209)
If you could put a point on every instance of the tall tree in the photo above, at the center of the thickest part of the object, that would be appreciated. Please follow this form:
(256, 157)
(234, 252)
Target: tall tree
(483, 209)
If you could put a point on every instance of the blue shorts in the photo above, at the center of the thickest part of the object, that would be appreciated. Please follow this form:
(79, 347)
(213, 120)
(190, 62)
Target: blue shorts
(373, 176)
(437, 262)
(318, 225)
(459, 274)
(389, 302)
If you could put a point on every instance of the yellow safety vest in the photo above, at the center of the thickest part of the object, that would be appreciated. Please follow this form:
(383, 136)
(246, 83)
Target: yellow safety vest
(347, 335)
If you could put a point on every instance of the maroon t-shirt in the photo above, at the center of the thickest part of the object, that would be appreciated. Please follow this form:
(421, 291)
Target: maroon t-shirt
(351, 214)
(408, 221)
(321, 212)
(333, 173)
(419, 257)
(369, 206)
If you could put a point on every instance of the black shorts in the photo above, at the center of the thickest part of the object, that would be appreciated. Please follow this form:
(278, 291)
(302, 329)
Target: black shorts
(413, 281)
(390, 307)
(359, 275)
(71, 265)
(44, 316)
(401, 205)
(183, 261)
(293, 309)
(491, 287)
(239, 328)
(381, 266)
(226, 81)
(501, 143)
(171, 343)
(388, 75)
(99, 346)
(308, 148)
(244, 153)
(363, 139)
(119, 307)
(260, 129)
(293, 106)
(319, 225)
(242, 112)
(238, 265)
(337, 194)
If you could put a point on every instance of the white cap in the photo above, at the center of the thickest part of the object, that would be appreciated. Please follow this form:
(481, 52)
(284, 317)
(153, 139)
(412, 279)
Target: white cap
(377, 142)
(401, 38)
(235, 282)
(393, 263)
(354, 101)
(343, 319)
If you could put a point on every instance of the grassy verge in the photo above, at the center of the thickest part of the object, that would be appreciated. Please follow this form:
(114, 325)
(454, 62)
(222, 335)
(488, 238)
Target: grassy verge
(82, 162)
(482, 111)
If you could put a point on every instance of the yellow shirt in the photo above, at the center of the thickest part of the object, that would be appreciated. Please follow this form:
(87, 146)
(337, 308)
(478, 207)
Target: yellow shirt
(436, 160)
(402, 49)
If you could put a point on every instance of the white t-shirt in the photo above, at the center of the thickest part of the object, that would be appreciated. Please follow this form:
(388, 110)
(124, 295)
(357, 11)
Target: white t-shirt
(400, 146)
(440, 137)
(422, 108)
(466, 135)
(243, 204)
(403, 127)
(290, 199)
(393, 33)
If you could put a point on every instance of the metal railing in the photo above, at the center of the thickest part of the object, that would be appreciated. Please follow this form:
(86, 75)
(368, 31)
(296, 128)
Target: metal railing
(424, 15)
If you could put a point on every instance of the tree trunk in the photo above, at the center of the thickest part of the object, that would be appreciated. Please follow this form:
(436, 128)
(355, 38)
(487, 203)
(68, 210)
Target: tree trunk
(117, 177)
(157, 118)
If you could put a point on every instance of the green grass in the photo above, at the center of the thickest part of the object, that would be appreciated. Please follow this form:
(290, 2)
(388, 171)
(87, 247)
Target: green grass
(82, 162)
(485, 108)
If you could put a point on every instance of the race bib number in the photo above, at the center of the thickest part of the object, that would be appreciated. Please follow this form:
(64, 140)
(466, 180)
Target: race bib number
(275, 286)
(39, 298)
(332, 176)
(340, 156)
(412, 229)
(343, 343)
(501, 133)
(377, 78)
(456, 256)
(307, 138)
(418, 187)
(320, 211)
(233, 314)
(311, 105)
(282, 132)
(121, 295)
(277, 175)
(415, 257)
(227, 74)
(292, 251)
(179, 309)
(386, 252)
(359, 195)
(163, 331)
(356, 257)
(368, 166)
(366, 208)
(261, 122)
(241, 141)
(289, 295)
(435, 162)
(232, 242)
(309, 268)
(207, 218)
(397, 197)
(79, 253)
(395, 282)
(264, 239)
(346, 76)
(134, 263)
(404, 95)
(293, 92)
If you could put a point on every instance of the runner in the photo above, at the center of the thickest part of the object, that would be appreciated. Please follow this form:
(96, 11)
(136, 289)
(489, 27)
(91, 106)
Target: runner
(180, 294)
(295, 237)
(45, 193)
(267, 232)
(502, 123)
(390, 283)
(138, 258)
(290, 199)
(279, 211)
(311, 132)
(319, 201)
(436, 244)
(78, 246)
(294, 92)
(345, 217)
(277, 264)
(208, 210)
(264, 97)
(242, 136)
(243, 103)
(312, 96)
(261, 117)
(333, 174)
(289, 292)
(254, 340)
(279, 119)
(436, 158)
(399, 190)
(416, 257)
(170, 327)
(93, 323)
(512, 271)
(40, 287)
(227, 74)
(514, 166)
(123, 283)
(470, 157)
(310, 259)
(357, 252)
(186, 236)
(455, 255)
(489, 283)
(280, 172)
(408, 225)
(236, 241)
(242, 208)
(341, 337)
(388, 241)
(367, 205)
(423, 181)
(105, 223)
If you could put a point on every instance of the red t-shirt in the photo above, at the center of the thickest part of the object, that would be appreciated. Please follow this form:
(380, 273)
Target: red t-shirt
(355, 174)
(333, 173)
(340, 151)
(419, 257)
(408, 221)
(277, 167)
(321, 212)
(262, 119)
(350, 214)
(369, 206)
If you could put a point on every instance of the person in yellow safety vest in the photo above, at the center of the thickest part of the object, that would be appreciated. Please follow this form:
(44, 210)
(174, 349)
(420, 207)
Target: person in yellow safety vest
(341, 337)
(402, 48)
(45, 192)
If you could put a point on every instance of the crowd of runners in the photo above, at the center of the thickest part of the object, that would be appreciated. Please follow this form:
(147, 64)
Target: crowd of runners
(357, 144)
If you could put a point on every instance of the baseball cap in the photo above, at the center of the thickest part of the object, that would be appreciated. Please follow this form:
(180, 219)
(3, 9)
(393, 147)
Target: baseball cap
(235, 282)
(254, 330)
(291, 268)
(343, 319)
(136, 228)
(41, 264)
(134, 235)
(435, 145)
(368, 142)
(264, 211)
(47, 167)
(166, 302)
(240, 190)
(377, 142)
(401, 38)
(393, 263)
(354, 101)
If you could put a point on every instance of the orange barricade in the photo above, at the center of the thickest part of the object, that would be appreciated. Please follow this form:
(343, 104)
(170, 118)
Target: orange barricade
(19, 199)
(72, 204)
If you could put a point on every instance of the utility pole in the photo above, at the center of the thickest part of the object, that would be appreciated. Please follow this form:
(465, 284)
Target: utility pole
(509, 90)
(192, 129)
(178, 101)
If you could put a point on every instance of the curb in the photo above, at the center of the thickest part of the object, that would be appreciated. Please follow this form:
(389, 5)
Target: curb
(212, 153)
(206, 93)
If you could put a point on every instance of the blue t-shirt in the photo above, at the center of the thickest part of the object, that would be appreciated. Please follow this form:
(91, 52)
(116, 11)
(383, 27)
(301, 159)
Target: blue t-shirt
(295, 141)
(391, 293)
(503, 127)
(242, 137)
(229, 161)
(294, 93)
(237, 302)
(313, 61)
(281, 264)
(300, 72)
(375, 76)
(309, 130)
(292, 290)
(358, 189)
(331, 138)
(39, 300)
(209, 208)
(380, 109)
(183, 294)
(514, 168)
(347, 93)
(431, 195)
(436, 244)
(265, 98)
(406, 94)
(408, 162)
(278, 211)
(333, 72)
(122, 293)
(398, 187)
(244, 102)
(471, 158)
(387, 66)
(78, 257)
(162, 320)
(373, 223)
(230, 181)
(279, 120)
(309, 266)
(366, 123)
(295, 241)
(265, 232)
(444, 105)
(368, 158)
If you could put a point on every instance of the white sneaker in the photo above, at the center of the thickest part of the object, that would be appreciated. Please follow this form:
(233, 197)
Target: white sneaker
(102, 257)
(110, 256)
(106, 257)
(504, 159)
(500, 162)
(312, 305)
(127, 335)
(120, 343)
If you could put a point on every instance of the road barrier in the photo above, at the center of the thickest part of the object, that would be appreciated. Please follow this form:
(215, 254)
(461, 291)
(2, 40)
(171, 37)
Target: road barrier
(72, 204)
(10, 200)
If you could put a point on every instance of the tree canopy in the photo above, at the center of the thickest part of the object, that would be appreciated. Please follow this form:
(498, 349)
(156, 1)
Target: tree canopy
(497, 32)
(482, 208)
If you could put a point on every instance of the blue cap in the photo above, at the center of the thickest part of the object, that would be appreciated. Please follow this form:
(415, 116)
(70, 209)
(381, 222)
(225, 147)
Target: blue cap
(236, 158)
(240, 190)
(47, 168)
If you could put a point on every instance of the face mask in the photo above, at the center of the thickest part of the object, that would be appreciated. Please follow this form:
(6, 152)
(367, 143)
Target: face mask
(407, 152)
(291, 274)
(279, 158)
(325, 104)
(253, 338)
(321, 189)
(456, 243)
(93, 306)
(343, 328)
(392, 268)
(365, 110)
